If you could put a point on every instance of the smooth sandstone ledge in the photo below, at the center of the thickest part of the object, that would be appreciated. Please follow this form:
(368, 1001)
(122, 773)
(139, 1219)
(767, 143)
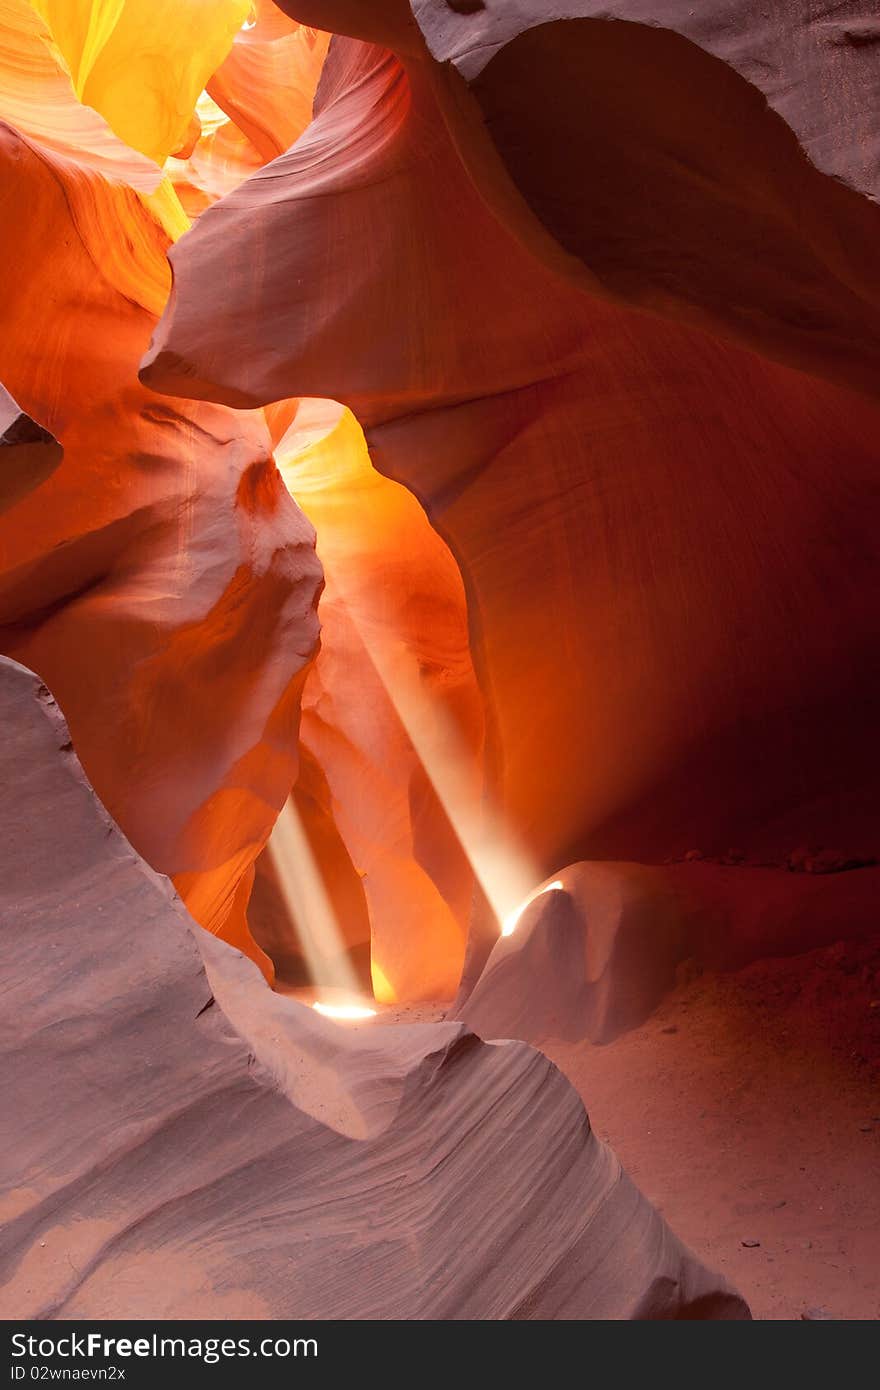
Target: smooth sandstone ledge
(165, 1156)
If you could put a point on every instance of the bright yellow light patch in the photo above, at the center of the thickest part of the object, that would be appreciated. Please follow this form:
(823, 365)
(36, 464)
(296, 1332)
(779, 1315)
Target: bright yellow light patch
(344, 1011)
(144, 63)
(383, 990)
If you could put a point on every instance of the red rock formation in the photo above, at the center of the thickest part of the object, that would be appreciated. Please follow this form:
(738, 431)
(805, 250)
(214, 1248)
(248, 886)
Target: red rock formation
(666, 539)
(267, 83)
(598, 283)
(161, 580)
(282, 1203)
(257, 103)
(418, 883)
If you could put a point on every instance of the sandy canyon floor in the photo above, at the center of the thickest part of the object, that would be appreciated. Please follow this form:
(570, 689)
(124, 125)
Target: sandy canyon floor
(747, 1109)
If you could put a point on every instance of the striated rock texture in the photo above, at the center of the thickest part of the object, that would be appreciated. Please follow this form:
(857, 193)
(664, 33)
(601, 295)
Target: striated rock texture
(267, 82)
(178, 1157)
(608, 344)
(160, 579)
(257, 102)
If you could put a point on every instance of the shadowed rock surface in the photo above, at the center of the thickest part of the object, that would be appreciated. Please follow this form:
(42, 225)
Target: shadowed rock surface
(28, 453)
(719, 163)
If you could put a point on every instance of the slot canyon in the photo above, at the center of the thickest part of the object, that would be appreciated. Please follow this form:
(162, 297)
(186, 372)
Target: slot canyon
(440, 660)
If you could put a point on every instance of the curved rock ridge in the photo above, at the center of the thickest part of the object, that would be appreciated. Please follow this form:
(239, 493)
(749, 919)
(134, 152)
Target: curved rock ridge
(161, 579)
(809, 64)
(724, 167)
(267, 83)
(256, 104)
(665, 540)
(596, 951)
(386, 22)
(167, 1165)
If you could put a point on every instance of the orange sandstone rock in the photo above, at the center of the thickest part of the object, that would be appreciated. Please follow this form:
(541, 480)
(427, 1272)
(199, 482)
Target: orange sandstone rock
(160, 580)
(267, 83)
(666, 540)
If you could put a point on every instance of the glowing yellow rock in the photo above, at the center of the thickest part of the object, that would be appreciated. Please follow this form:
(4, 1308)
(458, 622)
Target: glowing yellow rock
(143, 63)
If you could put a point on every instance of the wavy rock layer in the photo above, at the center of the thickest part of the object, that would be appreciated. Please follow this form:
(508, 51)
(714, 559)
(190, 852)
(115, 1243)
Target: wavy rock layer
(267, 83)
(158, 1171)
(666, 540)
(160, 579)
